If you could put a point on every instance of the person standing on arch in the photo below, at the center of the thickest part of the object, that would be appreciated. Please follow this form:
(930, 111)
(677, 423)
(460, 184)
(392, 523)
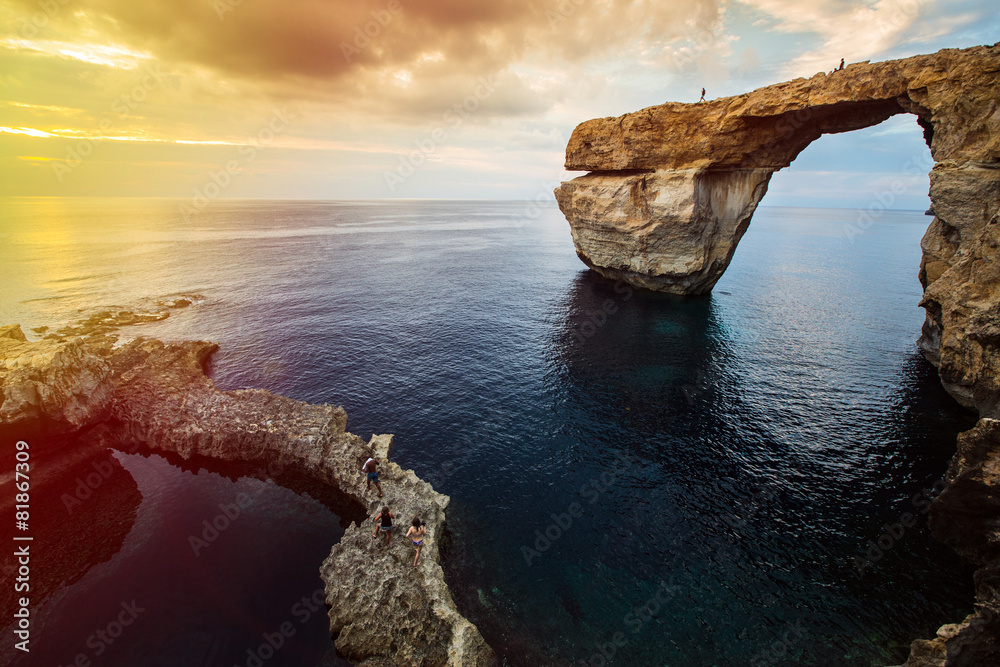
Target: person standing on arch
(841, 64)
(702, 95)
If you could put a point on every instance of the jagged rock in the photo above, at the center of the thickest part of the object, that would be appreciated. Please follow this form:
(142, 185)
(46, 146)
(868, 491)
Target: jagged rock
(48, 388)
(966, 517)
(672, 190)
(383, 611)
(407, 613)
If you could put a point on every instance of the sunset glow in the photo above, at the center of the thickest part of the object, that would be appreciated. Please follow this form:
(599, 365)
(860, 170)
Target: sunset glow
(159, 96)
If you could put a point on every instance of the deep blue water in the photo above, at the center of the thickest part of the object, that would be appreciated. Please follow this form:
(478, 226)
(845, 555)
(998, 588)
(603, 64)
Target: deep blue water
(718, 460)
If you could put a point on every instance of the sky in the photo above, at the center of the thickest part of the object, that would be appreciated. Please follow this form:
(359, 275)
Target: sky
(452, 99)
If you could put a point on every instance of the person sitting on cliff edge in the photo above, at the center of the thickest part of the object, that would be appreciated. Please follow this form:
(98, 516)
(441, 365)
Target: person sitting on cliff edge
(371, 469)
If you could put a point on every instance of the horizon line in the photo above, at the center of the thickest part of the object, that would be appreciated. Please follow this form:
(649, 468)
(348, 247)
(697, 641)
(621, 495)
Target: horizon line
(385, 200)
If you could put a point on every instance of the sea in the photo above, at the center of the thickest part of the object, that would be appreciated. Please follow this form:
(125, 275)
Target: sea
(635, 478)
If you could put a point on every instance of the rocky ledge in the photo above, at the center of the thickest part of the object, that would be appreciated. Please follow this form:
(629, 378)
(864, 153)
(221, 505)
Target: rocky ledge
(672, 189)
(383, 611)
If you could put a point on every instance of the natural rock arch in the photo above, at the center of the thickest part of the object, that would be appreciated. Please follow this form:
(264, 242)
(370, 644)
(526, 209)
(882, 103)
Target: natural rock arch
(672, 189)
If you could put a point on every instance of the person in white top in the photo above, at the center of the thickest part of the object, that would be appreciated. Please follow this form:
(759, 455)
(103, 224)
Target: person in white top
(371, 468)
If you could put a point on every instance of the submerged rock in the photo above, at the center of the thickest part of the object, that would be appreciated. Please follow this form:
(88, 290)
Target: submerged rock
(383, 611)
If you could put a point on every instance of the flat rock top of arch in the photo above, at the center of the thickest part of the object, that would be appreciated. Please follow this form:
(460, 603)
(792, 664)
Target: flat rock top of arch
(954, 90)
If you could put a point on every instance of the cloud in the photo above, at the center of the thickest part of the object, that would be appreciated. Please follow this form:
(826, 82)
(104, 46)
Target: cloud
(368, 80)
(409, 57)
(854, 29)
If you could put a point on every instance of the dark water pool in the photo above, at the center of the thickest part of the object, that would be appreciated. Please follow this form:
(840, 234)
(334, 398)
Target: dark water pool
(137, 560)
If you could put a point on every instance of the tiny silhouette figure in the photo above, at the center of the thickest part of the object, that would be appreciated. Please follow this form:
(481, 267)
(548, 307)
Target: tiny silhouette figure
(383, 521)
(841, 64)
(371, 470)
(702, 95)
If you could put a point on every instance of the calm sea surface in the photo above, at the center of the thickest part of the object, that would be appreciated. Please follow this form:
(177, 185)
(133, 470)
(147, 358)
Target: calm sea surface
(636, 479)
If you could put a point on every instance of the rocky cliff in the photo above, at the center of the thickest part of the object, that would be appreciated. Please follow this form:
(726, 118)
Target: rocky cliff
(383, 611)
(672, 189)
(50, 387)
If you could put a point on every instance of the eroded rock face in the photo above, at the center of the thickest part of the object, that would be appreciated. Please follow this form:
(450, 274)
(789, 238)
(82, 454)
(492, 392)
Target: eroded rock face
(405, 616)
(383, 611)
(49, 388)
(667, 230)
(966, 517)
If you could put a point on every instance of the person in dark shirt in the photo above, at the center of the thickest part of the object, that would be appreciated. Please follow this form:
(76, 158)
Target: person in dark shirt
(383, 521)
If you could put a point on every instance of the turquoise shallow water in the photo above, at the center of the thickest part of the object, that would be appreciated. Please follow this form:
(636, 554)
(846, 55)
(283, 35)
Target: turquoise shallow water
(716, 462)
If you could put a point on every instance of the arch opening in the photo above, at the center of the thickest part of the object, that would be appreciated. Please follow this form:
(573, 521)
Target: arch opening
(886, 164)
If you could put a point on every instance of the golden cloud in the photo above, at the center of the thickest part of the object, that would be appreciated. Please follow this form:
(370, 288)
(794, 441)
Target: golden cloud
(405, 56)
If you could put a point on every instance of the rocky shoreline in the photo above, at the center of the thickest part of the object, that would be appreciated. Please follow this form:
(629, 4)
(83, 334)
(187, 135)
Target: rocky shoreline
(673, 188)
(383, 611)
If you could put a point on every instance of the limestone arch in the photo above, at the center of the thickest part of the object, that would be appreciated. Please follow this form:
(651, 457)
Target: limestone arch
(671, 189)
